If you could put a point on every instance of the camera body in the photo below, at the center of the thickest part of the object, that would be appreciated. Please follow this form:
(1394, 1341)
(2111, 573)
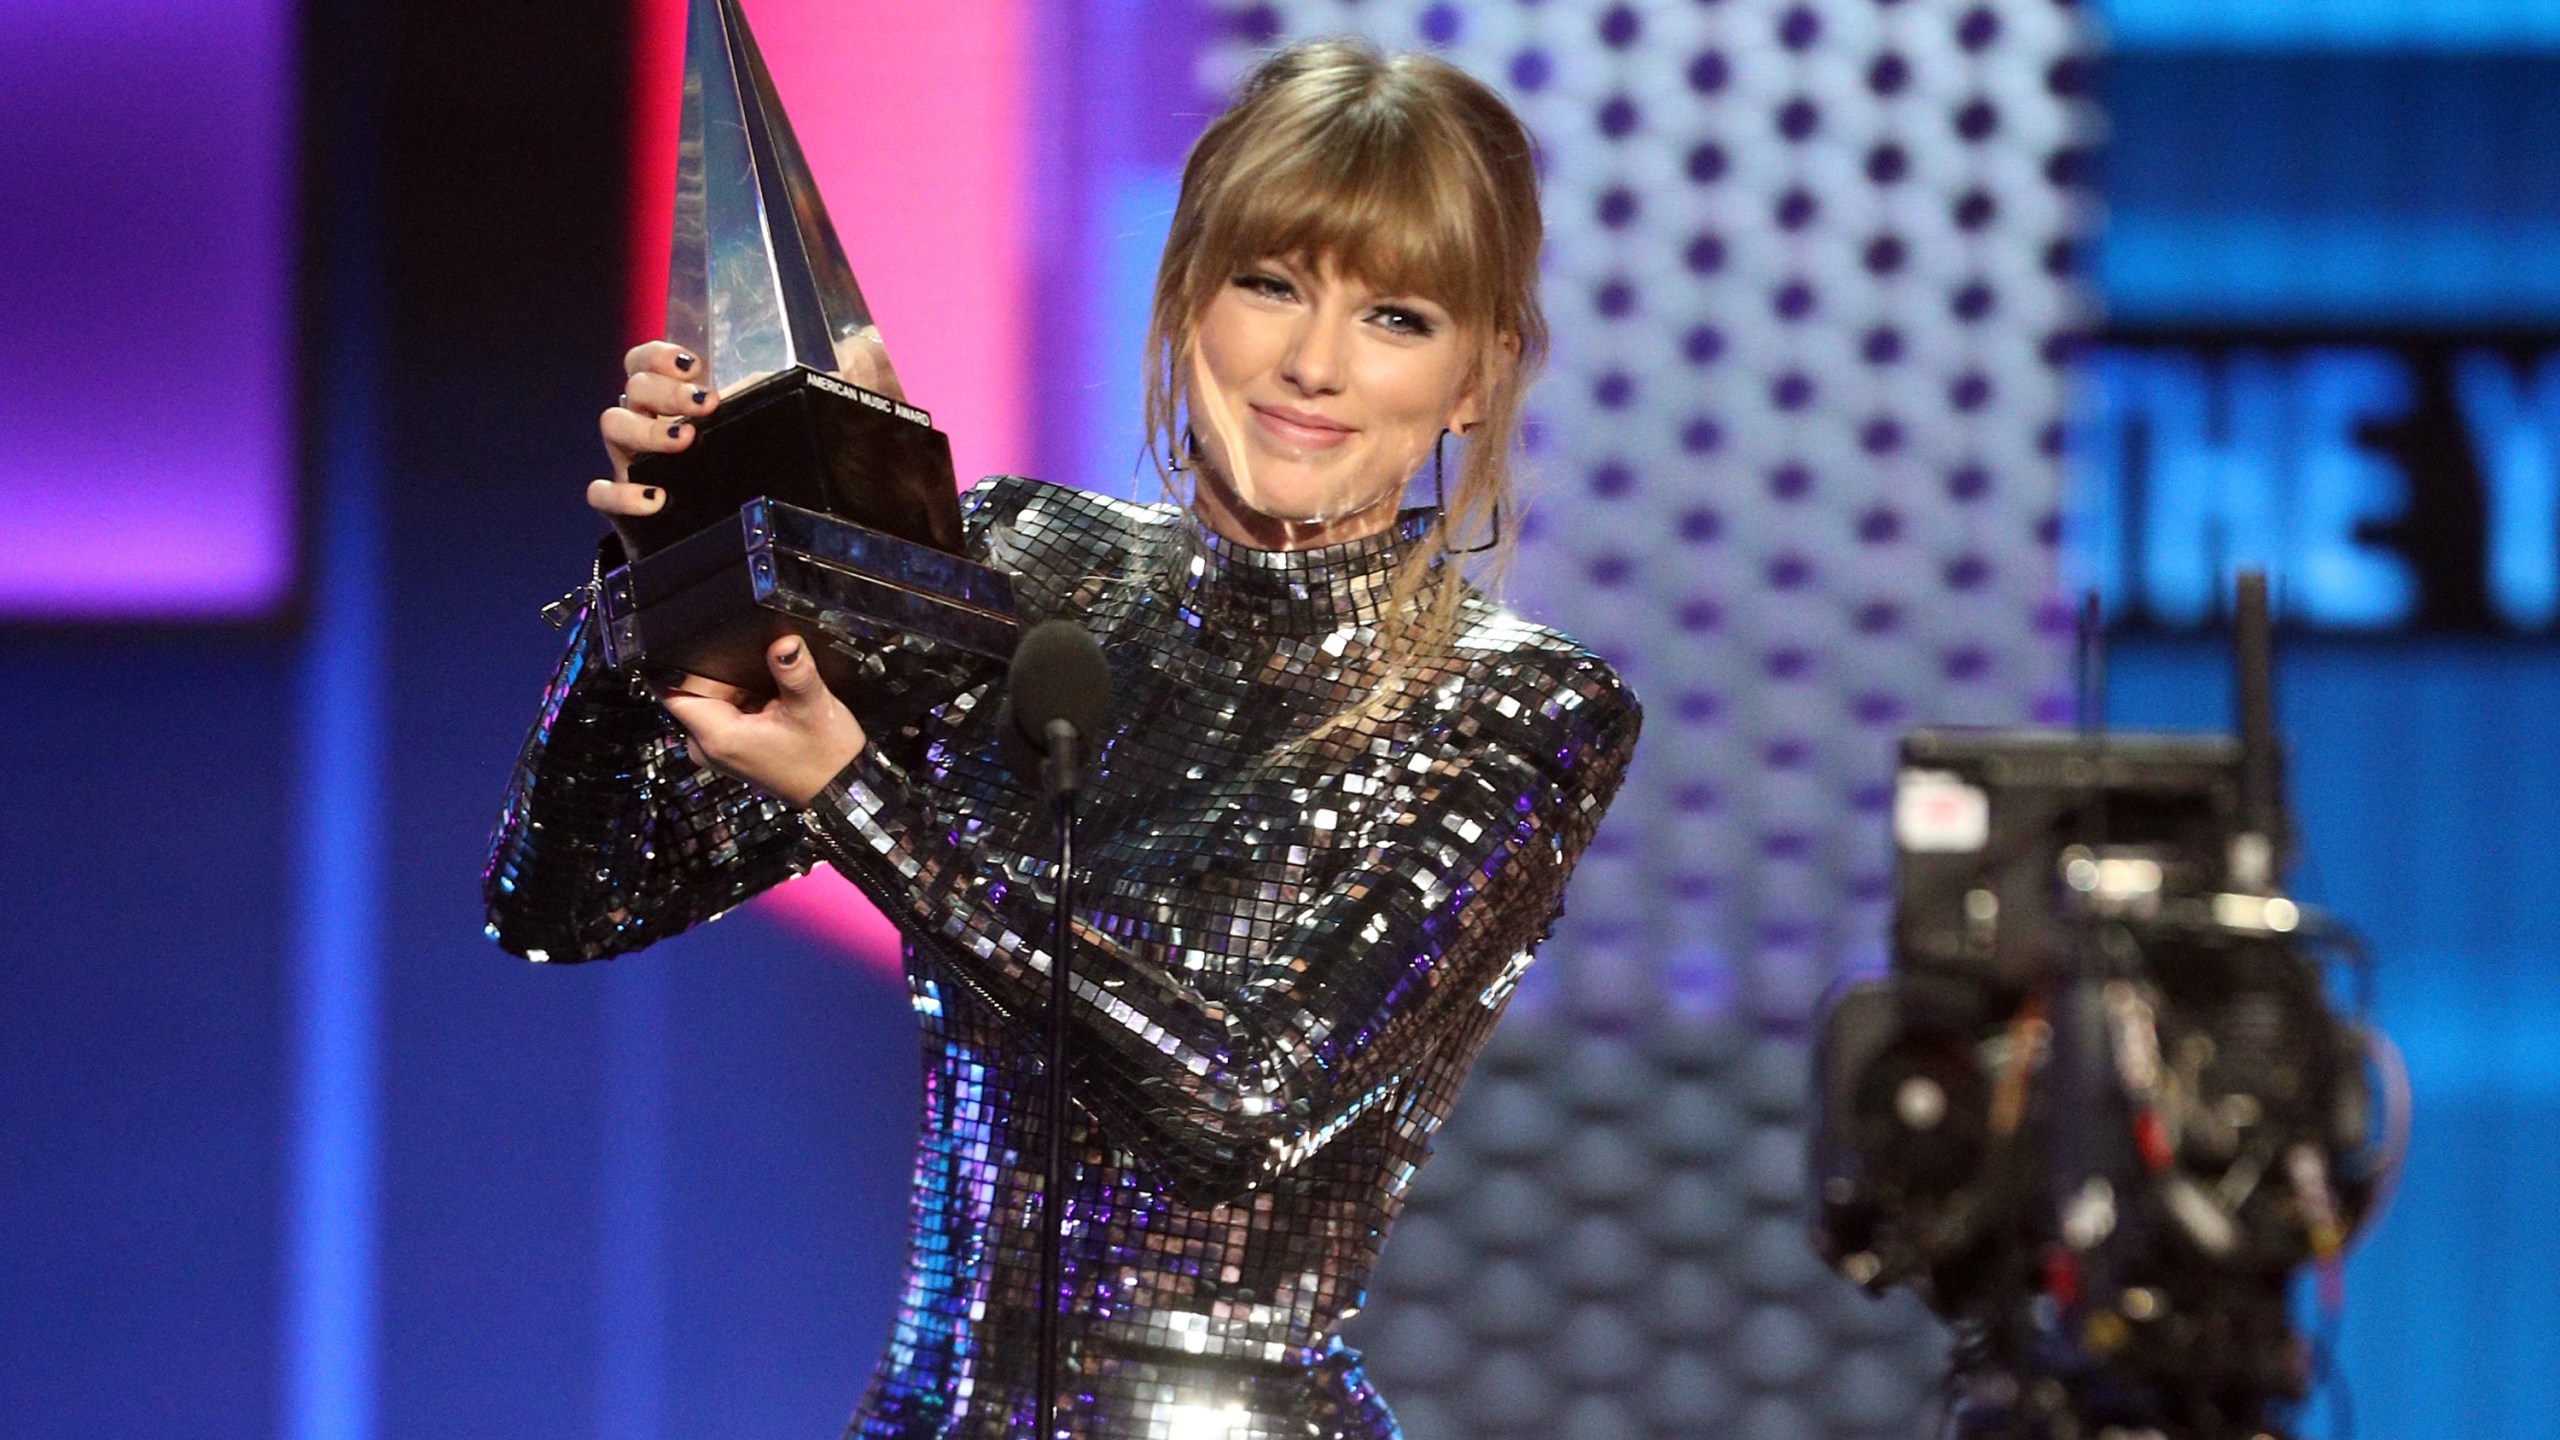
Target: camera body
(2100, 1110)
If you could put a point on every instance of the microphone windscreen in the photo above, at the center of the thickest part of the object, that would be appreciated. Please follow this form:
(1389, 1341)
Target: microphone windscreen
(1019, 753)
(1059, 674)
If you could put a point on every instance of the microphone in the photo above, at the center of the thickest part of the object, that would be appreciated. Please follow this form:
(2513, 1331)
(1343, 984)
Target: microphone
(1056, 698)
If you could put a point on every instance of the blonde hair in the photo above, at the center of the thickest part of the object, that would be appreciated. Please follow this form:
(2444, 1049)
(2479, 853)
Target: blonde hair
(1412, 175)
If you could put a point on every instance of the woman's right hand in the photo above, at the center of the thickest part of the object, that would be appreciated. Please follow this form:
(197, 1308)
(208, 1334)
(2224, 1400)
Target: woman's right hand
(663, 394)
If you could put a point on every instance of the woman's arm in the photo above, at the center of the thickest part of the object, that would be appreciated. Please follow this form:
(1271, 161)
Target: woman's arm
(1457, 875)
(611, 837)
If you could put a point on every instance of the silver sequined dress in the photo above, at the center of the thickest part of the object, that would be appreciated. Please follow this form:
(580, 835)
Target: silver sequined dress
(1291, 949)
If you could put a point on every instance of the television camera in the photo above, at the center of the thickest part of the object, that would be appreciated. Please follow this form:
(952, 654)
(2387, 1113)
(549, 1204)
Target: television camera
(2101, 1110)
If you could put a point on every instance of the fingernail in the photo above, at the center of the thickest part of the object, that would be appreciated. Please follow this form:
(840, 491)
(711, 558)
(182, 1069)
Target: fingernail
(649, 492)
(683, 361)
(791, 656)
(700, 394)
(676, 431)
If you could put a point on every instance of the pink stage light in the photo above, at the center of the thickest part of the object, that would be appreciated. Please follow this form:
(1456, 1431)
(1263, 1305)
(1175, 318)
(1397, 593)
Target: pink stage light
(912, 118)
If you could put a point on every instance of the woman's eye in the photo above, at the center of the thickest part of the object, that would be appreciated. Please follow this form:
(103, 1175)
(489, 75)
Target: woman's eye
(1270, 287)
(1403, 321)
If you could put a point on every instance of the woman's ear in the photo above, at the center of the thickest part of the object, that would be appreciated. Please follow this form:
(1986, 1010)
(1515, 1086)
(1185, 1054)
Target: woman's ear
(1468, 415)
(1496, 370)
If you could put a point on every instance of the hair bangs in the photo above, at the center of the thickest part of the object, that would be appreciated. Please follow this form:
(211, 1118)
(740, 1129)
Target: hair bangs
(1378, 201)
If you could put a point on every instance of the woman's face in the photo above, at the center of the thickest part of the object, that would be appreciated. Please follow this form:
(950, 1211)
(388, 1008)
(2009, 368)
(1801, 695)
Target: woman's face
(1313, 397)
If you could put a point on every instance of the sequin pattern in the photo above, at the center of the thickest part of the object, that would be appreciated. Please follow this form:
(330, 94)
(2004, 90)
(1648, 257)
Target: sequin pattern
(1290, 946)
(610, 837)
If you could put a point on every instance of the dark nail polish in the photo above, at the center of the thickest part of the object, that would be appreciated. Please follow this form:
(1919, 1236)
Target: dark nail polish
(700, 394)
(676, 431)
(791, 656)
(649, 492)
(683, 361)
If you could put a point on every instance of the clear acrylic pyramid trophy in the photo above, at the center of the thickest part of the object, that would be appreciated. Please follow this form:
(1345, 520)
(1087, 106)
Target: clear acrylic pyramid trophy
(814, 499)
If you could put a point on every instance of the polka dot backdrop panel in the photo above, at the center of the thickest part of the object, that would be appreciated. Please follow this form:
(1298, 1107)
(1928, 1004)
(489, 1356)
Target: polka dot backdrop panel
(1795, 469)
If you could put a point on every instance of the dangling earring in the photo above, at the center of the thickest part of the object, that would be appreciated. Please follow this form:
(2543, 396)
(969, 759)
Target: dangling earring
(1173, 449)
(1440, 507)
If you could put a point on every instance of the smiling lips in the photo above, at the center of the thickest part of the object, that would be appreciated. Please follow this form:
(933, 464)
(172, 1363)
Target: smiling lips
(1300, 429)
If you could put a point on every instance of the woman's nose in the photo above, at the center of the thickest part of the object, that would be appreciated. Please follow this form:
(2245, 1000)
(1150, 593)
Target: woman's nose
(1314, 360)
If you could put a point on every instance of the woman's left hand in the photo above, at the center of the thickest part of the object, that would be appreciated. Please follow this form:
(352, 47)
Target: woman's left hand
(789, 746)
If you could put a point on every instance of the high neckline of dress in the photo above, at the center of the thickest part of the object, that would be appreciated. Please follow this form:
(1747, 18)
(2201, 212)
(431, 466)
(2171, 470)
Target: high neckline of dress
(1297, 592)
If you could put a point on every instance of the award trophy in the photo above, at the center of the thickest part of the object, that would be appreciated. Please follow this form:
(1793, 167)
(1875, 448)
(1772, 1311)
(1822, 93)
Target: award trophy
(814, 499)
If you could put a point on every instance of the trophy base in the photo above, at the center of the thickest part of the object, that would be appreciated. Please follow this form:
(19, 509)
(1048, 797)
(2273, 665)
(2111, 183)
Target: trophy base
(811, 440)
(712, 602)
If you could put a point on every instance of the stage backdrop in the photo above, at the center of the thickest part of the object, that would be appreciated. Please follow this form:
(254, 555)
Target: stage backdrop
(2333, 281)
(293, 1151)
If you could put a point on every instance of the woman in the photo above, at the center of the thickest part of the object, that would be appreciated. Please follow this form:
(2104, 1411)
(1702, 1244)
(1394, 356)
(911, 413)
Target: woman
(1333, 811)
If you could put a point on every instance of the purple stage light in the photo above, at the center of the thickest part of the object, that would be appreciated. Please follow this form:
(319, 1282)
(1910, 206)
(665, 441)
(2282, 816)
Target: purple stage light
(150, 470)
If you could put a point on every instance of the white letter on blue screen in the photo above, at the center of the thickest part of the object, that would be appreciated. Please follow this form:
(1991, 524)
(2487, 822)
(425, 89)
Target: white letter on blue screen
(2215, 499)
(2512, 429)
(2340, 486)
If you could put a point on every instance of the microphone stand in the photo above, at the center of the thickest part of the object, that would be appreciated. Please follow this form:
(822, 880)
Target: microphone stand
(1061, 773)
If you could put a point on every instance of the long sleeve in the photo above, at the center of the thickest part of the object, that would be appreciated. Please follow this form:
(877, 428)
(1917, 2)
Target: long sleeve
(1464, 841)
(611, 838)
